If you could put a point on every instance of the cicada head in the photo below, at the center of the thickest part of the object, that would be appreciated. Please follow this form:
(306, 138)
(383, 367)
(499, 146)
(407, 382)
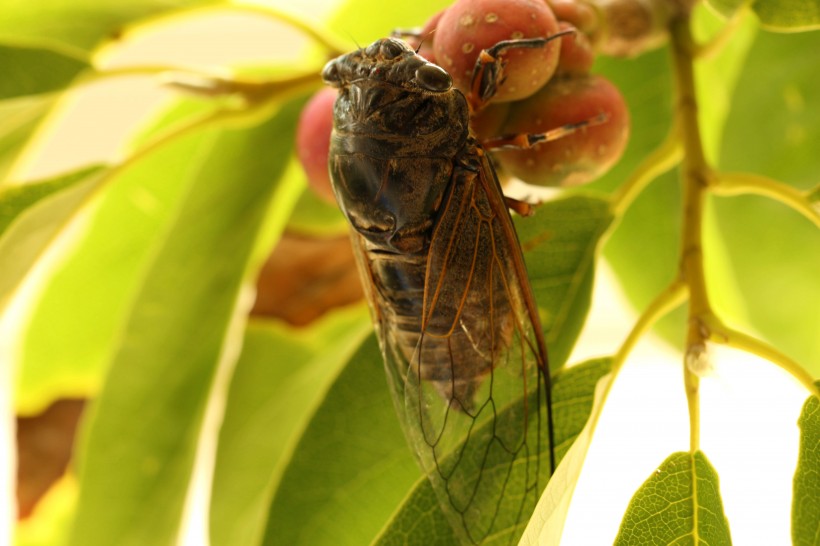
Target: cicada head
(398, 126)
(386, 89)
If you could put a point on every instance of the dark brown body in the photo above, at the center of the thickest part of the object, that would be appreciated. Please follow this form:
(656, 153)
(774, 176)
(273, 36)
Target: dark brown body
(445, 277)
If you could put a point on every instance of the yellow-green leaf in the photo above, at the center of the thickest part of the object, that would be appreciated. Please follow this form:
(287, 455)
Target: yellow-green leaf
(806, 499)
(32, 216)
(560, 243)
(139, 443)
(283, 374)
(76, 26)
(350, 467)
(780, 15)
(18, 120)
(679, 504)
(30, 71)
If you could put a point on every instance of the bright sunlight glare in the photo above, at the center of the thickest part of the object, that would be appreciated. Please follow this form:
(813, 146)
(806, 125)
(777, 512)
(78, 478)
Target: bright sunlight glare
(749, 432)
(749, 411)
(644, 421)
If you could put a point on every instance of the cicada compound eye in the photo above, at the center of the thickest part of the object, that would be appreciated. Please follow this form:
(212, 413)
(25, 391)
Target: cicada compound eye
(433, 78)
(390, 49)
(373, 49)
(330, 73)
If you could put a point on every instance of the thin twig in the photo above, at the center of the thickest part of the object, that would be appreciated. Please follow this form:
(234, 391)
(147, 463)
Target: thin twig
(663, 158)
(695, 175)
(734, 183)
(720, 333)
(667, 300)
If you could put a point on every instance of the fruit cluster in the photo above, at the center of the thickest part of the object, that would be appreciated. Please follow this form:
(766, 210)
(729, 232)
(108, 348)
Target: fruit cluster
(543, 88)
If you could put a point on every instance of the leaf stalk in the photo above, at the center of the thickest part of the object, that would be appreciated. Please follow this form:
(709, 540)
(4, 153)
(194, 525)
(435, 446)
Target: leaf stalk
(662, 159)
(696, 175)
(720, 333)
(734, 183)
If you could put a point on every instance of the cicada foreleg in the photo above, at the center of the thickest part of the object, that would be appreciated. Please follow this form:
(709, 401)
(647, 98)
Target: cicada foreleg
(523, 141)
(488, 73)
(488, 76)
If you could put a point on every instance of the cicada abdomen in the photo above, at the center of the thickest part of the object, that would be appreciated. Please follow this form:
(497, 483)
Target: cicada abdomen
(447, 285)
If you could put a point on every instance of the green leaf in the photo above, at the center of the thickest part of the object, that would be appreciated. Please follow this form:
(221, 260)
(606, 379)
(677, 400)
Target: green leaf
(419, 520)
(29, 71)
(76, 26)
(547, 522)
(573, 395)
(367, 20)
(643, 249)
(18, 120)
(679, 504)
(140, 440)
(814, 195)
(32, 217)
(75, 323)
(778, 15)
(312, 215)
(769, 279)
(806, 499)
(351, 466)
(15, 200)
(560, 245)
(282, 375)
(790, 127)
(716, 75)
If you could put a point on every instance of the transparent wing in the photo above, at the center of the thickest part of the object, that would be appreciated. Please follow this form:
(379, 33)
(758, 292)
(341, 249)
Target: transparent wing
(475, 385)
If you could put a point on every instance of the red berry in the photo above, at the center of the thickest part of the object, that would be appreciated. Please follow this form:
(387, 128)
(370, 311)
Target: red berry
(469, 26)
(487, 123)
(577, 13)
(313, 141)
(577, 158)
(576, 56)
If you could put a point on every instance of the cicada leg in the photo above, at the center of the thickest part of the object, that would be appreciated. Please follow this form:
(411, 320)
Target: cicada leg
(522, 208)
(522, 141)
(488, 76)
(488, 72)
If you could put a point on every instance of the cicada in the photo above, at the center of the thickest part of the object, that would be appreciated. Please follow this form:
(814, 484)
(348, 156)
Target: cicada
(447, 285)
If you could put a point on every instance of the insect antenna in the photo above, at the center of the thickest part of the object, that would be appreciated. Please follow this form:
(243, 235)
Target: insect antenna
(422, 38)
(354, 40)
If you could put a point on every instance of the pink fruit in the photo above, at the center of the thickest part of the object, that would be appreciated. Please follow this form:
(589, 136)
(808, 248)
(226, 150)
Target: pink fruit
(576, 56)
(469, 26)
(577, 158)
(313, 141)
